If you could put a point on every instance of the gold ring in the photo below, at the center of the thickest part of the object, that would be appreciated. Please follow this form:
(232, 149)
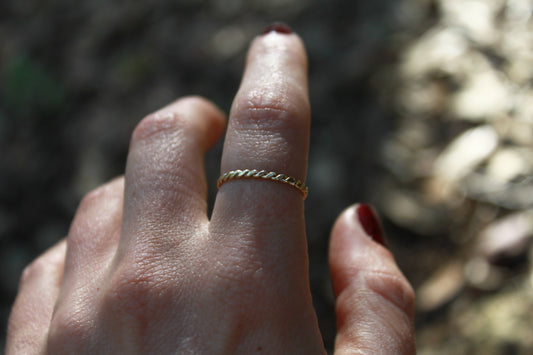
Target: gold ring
(262, 174)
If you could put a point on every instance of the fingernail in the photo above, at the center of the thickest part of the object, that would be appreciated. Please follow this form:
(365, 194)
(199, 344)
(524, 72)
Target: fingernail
(369, 221)
(278, 27)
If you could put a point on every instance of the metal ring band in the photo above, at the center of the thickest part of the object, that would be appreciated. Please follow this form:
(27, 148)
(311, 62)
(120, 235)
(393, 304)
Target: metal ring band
(263, 174)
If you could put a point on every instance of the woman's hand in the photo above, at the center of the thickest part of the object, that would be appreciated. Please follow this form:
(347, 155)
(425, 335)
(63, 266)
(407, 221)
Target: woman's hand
(143, 269)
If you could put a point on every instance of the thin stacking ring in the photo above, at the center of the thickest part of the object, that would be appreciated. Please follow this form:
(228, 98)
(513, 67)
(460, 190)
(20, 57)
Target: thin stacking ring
(262, 174)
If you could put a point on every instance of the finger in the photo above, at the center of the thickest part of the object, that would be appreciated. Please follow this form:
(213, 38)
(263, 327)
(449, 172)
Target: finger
(165, 176)
(32, 311)
(93, 236)
(257, 228)
(374, 301)
(268, 130)
(91, 245)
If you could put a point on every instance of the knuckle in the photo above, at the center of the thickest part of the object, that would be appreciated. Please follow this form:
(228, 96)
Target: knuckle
(157, 124)
(137, 291)
(42, 265)
(194, 100)
(46, 265)
(393, 288)
(272, 112)
(68, 325)
(109, 189)
(241, 275)
(237, 279)
(33, 270)
(91, 197)
(103, 203)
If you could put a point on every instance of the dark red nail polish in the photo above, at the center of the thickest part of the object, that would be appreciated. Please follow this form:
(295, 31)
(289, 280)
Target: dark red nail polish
(278, 27)
(370, 223)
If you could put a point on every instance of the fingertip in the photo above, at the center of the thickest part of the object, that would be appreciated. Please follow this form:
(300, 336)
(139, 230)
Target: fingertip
(369, 220)
(374, 301)
(357, 224)
(357, 246)
(347, 240)
(289, 44)
(278, 27)
(348, 233)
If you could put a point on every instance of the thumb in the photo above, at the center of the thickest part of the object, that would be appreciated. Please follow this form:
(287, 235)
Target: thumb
(374, 301)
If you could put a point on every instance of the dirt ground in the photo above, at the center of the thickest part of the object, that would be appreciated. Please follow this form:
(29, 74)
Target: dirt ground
(423, 108)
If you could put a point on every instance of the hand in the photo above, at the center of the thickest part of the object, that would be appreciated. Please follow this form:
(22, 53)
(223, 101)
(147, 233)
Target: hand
(143, 269)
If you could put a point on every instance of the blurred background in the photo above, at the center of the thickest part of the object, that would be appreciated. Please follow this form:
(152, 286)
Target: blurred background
(423, 108)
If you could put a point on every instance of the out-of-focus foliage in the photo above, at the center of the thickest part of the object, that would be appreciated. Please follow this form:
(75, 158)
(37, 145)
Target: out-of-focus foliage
(460, 163)
(28, 87)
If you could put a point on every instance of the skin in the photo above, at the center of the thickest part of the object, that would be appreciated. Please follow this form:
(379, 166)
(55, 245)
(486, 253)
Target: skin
(144, 270)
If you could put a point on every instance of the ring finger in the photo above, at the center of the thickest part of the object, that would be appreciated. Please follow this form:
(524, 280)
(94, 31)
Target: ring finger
(268, 130)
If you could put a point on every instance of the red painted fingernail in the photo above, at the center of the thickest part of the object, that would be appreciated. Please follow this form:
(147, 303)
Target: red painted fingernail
(278, 27)
(370, 223)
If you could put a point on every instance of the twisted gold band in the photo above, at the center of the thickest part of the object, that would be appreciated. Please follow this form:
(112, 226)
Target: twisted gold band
(262, 174)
